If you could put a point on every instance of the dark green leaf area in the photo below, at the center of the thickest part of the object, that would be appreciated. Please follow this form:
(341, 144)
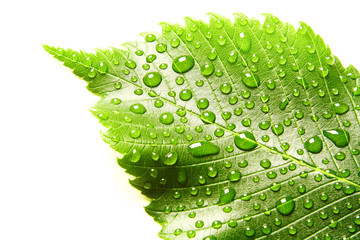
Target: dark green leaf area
(234, 130)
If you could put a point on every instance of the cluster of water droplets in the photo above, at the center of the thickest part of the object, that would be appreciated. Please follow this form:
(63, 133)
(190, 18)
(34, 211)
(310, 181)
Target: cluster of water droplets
(243, 140)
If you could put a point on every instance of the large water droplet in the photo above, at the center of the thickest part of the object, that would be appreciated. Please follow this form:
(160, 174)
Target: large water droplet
(245, 141)
(183, 64)
(250, 80)
(285, 205)
(340, 108)
(227, 195)
(339, 137)
(152, 79)
(170, 159)
(313, 144)
(138, 108)
(203, 148)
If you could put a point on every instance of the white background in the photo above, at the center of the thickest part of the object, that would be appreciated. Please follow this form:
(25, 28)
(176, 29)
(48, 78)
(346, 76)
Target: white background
(58, 179)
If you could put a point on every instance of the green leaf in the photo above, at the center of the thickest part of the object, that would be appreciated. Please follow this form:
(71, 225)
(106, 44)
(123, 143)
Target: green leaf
(235, 130)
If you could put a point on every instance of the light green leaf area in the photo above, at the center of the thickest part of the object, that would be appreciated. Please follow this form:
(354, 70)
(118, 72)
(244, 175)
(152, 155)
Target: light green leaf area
(234, 130)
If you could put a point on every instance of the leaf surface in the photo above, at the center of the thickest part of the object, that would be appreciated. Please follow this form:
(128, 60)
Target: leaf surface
(235, 130)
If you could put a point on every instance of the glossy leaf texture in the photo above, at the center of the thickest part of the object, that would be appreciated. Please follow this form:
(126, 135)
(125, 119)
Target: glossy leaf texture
(234, 130)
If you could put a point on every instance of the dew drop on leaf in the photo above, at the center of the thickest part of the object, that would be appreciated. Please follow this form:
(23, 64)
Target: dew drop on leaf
(203, 148)
(243, 42)
(170, 158)
(208, 117)
(183, 64)
(339, 137)
(245, 141)
(285, 205)
(250, 80)
(227, 195)
(340, 108)
(313, 144)
(166, 118)
(138, 108)
(207, 69)
(152, 79)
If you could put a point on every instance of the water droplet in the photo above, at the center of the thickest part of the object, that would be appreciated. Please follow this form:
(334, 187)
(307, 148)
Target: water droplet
(152, 79)
(270, 84)
(199, 224)
(166, 118)
(277, 129)
(264, 125)
(191, 234)
(308, 203)
(212, 55)
(92, 73)
(285, 205)
(150, 37)
(350, 189)
(250, 80)
(313, 144)
(225, 88)
(265, 163)
(234, 175)
(227, 195)
(138, 108)
(269, 29)
(170, 159)
(232, 57)
(309, 222)
(284, 103)
(216, 224)
(208, 117)
(203, 148)
(221, 40)
(339, 137)
(183, 64)
(185, 95)
(340, 108)
(135, 133)
(245, 141)
(243, 42)
(249, 231)
(207, 69)
(161, 47)
(151, 58)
